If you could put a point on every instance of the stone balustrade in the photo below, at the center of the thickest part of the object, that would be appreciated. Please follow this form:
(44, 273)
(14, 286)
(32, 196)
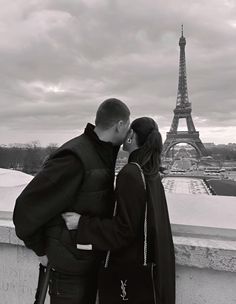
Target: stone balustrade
(204, 231)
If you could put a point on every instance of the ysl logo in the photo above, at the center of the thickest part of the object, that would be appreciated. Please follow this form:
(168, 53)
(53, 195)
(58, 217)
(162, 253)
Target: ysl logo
(123, 291)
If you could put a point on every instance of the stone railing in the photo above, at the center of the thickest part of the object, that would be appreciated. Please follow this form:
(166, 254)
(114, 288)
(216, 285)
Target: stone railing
(204, 231)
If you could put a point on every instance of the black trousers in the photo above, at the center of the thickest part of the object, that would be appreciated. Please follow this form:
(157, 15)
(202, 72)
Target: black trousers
(72, 289)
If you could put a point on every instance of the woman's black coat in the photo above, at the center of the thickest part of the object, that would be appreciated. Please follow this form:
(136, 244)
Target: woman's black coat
(123, 234)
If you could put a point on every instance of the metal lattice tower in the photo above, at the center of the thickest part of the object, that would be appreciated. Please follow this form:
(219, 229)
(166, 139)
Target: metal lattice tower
(182, 110)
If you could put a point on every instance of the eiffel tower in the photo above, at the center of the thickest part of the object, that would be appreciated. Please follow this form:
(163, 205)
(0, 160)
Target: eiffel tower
(182, 110)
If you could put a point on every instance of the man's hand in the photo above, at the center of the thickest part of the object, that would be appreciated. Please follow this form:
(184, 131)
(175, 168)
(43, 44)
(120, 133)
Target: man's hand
(43, 260)
(71, 219)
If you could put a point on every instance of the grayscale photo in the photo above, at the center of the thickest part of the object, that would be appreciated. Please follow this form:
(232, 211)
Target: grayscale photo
(118, 152)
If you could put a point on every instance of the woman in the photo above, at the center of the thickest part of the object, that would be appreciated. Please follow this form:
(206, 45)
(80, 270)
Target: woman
(123, 234)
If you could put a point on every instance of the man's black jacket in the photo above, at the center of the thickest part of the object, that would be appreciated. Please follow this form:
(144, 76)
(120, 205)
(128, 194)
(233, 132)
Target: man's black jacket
(53, 191)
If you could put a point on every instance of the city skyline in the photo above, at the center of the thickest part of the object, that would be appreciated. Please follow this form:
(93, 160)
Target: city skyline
(61, 59)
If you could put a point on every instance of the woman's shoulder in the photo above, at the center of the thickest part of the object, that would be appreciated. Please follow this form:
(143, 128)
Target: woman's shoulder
(130, 178)
(130, 170)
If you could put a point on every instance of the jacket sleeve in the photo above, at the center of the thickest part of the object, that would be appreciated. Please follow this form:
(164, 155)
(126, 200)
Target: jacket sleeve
(118, 232)
(50, 193)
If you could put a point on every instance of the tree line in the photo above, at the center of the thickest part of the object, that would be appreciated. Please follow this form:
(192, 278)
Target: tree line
(223, 153)
(30, 157)
(27, 157)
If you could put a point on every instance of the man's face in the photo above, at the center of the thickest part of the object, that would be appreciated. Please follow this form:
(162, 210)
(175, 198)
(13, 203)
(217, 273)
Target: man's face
(123, 131)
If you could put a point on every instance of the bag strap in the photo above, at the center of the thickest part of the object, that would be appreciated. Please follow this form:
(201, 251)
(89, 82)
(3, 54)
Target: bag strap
(145, 223)
(145, 217)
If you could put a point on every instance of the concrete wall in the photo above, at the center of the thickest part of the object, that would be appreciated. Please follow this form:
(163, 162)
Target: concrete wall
(206, 269)
(204, 230)
(18, 268)
(18, 274)
(201, 286)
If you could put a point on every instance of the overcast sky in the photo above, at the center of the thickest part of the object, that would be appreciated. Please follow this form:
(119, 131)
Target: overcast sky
(59, 59)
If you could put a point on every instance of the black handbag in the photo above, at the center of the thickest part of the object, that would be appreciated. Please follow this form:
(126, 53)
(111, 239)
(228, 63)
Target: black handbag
(128, 283)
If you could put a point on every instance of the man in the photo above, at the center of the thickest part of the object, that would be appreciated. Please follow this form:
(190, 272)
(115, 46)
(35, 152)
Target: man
(78, 177)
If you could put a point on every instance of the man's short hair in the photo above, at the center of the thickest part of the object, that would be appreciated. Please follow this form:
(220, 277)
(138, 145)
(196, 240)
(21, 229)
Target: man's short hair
(110, 112)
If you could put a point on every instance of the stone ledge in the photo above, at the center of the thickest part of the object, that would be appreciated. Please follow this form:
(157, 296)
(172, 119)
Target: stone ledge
(206, 253)
(7, 233)
(204, 232)
(200, 252)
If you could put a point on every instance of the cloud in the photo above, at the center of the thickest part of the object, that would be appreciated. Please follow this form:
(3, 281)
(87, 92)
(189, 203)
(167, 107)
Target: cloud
(60, 59)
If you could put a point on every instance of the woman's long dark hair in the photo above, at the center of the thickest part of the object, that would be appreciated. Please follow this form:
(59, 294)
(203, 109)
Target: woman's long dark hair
(150, 144)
